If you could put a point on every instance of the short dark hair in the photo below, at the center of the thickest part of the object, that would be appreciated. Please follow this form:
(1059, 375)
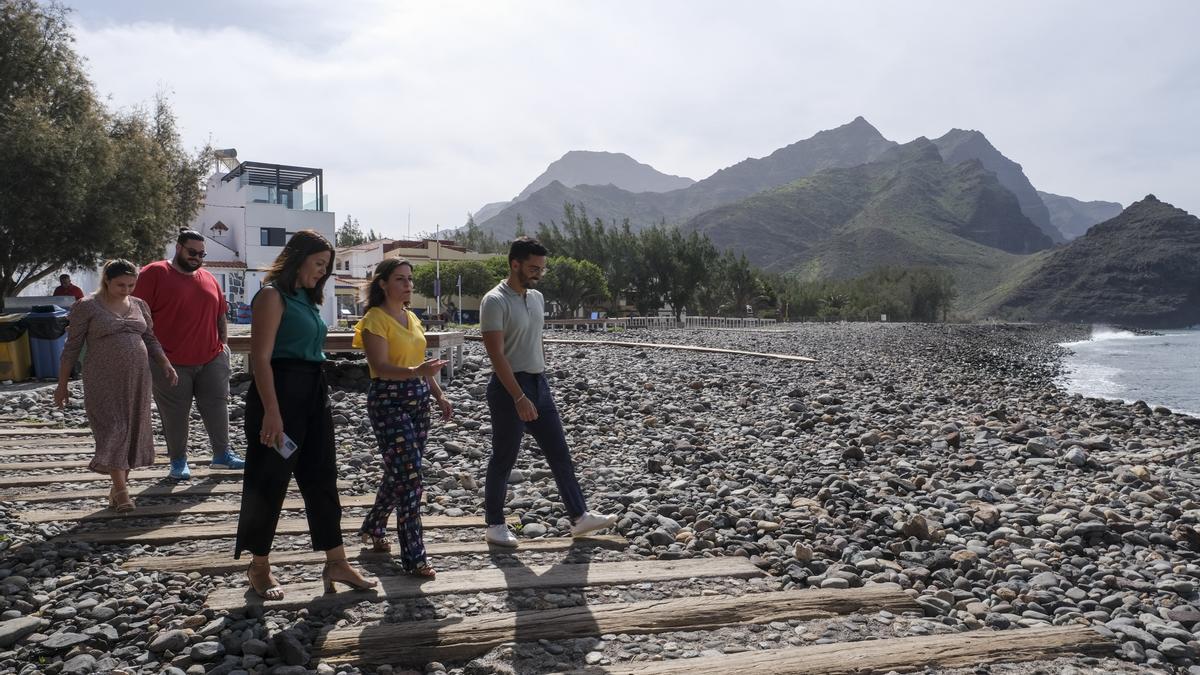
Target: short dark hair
(64, 278)
(523, 247)
(186, 235)
(286, 268)
(383, 271)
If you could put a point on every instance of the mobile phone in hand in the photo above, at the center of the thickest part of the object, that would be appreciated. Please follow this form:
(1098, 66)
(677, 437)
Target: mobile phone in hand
(286, 447)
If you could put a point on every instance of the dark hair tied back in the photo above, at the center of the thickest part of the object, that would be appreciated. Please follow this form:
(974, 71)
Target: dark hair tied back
(383, 272)
(186, 235)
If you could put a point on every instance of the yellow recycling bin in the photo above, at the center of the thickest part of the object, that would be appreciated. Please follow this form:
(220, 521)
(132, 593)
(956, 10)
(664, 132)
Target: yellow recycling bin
(15, 363)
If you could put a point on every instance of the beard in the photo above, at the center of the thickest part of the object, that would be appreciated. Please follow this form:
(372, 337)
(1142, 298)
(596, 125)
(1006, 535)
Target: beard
(528, 281)
(185, 265)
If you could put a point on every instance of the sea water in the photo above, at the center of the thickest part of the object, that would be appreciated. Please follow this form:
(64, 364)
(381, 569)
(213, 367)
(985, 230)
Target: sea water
(1158, 369)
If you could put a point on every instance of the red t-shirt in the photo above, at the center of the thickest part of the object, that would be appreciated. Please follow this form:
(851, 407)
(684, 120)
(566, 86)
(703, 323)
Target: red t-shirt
(185, 309)
(70, 289)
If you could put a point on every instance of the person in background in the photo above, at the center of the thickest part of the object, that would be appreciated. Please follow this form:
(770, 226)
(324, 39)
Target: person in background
(119, 333)
(511, 316)
(288, 411)
(66, 288)
(398, 406)
(189, 317)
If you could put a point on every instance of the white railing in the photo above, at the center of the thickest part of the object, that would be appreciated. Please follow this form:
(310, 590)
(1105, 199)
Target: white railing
(660, 322)
(725, 322)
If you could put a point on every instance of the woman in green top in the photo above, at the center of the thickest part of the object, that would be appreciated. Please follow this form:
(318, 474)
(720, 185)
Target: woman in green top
(289, 423)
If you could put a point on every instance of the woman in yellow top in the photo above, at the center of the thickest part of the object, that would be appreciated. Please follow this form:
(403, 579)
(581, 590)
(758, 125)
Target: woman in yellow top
(398, 406)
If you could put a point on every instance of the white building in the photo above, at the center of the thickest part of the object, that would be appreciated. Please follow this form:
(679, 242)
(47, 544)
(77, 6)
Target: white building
(249, 213)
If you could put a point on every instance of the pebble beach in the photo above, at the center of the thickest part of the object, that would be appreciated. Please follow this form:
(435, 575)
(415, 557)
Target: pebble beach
(945, 459)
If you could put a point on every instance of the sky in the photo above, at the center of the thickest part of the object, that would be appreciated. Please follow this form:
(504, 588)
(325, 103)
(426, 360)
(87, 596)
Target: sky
(436, 108)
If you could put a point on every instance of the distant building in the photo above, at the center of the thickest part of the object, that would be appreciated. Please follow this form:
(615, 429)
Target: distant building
(247, 213)
(356, 264)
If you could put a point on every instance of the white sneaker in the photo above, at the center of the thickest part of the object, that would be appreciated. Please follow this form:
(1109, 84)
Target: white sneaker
(500, 535)
(590, 522)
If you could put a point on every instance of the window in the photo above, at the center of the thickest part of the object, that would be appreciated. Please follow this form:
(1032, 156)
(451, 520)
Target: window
(272, 236)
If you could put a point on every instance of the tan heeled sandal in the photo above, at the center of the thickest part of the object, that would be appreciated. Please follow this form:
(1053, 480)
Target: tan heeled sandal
(328, 579)
(273, 591)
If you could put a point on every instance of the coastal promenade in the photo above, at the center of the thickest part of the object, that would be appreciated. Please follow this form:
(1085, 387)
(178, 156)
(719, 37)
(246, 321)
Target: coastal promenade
(913, 497)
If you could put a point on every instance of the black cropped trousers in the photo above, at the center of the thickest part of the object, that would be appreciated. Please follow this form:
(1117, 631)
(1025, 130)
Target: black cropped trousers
(307, 416)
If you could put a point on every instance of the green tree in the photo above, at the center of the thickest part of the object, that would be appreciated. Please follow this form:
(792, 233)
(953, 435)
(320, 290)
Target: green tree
(78, 184)
(572, 284)
(692, 256)
(473, 238)
(497, 267)
(477, 278)
(350, 233)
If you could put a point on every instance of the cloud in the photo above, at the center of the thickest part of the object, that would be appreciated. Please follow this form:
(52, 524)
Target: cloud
(442, 107)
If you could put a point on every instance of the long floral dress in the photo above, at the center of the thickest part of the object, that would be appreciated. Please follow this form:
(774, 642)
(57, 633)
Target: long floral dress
(116, 379)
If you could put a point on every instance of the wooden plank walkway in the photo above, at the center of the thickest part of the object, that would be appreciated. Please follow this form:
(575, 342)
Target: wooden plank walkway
(223, 563)
(227, 529)
(312, 595)
(61, 449)
(957, 650)
(157, 472)
(214, 495)
(87, 441)
(172, 510)
(34, 432)
(418, 642)
(50, 465)
(187, 490)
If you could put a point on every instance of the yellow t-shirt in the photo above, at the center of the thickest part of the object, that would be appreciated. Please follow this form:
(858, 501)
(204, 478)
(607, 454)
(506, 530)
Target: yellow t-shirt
(406, 346)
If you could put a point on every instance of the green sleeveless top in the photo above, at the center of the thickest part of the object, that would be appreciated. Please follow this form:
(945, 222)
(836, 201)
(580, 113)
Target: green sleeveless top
(301, 333)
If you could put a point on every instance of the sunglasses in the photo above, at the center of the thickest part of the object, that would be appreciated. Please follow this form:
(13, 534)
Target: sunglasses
(193, 253)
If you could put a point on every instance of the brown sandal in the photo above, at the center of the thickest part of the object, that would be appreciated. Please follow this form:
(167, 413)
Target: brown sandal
(377, 544)
(424, 570)
(120, 501)
(273, 591)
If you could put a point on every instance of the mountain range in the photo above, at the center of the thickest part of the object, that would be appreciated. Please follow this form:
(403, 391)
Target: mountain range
(848, 145)
(848, 200)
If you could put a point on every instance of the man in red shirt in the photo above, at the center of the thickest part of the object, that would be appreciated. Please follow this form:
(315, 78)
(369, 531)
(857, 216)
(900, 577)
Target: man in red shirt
(65, 287)
(188, 308)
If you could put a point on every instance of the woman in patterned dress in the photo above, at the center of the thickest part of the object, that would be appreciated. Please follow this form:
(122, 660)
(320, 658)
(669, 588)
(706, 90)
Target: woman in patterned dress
(398, 406)
(120, 339)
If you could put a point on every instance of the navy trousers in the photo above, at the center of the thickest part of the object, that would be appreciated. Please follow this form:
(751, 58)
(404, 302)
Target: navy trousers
(507, 432)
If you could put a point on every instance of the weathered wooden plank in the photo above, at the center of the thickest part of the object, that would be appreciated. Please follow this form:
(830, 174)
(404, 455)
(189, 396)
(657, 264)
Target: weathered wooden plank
(956, 650)
(58, 449)
(683, 348)
(171, 510)
(34, 432)
(424, 641)
(47, 465)
(186, 490)
(87, 441)
(158, 472)
(311, 594)
(228, 529)
(222, 563)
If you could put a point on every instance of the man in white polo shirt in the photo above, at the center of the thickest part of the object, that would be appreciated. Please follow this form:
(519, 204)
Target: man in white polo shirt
(518, 395)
